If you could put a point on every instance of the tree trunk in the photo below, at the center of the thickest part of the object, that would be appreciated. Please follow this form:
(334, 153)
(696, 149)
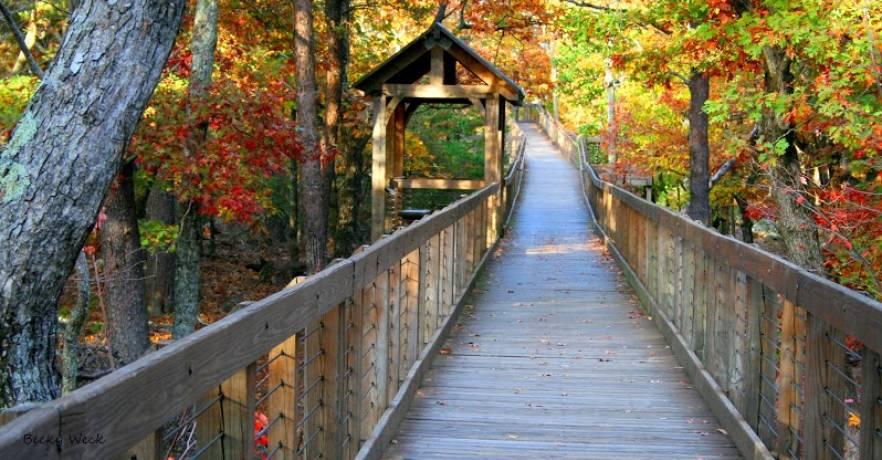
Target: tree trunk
(610, 82)
(746, 222)
(78, 315)
(54, 172)
(312, 170)
(160, 273)
(188, 251)
(699, 150)
(126, 321)
(189, 243)
(794, 221)
(337, 17)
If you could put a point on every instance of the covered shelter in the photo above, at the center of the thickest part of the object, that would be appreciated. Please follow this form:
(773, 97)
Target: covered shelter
(427, 71)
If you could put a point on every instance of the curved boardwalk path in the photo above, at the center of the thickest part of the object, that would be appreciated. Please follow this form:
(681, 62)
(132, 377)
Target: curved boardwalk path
(553, 359)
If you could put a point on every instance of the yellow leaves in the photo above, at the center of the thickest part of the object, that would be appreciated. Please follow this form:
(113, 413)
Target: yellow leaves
(854, 420)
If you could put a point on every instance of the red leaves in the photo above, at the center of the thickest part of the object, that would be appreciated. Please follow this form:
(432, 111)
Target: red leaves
(261, 441)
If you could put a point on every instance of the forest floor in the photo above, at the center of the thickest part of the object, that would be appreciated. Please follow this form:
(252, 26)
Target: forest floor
(236, 267)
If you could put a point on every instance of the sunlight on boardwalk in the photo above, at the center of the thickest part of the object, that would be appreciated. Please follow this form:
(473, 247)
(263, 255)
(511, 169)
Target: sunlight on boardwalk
(554, 359)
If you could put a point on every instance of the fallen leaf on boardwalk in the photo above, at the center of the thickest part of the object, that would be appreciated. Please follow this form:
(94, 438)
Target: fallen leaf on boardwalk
(446, 350)
(723, 432)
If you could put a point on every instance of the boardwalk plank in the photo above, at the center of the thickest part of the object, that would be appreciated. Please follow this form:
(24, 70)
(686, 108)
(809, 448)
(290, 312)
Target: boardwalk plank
(552, 358)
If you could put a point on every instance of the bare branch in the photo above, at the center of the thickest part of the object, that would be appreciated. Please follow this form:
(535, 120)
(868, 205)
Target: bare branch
(722, 171)
(19, 37)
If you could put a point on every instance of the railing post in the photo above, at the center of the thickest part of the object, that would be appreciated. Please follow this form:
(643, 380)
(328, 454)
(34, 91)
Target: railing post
(394, 305)
(226, 429)
(311, 395)
(333, 381)
(282, 402)
(871, 405)
(380, 319)
(786, 377)
(825, 392)
(753, 363)
(410, 276)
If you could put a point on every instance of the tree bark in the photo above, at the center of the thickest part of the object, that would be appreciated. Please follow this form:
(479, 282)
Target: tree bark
(798, 229)
(337, 17)
(699, 149)
(189, 243)
(188, 251)
(62, 156)
(312, 175)
(160, 273)
(126, 323)
(70, 353)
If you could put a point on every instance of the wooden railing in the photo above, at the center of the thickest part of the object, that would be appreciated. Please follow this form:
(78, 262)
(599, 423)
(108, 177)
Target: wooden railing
(788, 360)
(331, 363)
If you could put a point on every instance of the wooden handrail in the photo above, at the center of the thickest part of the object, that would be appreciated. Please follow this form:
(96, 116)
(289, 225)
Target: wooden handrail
(336, 349)
(770, 345)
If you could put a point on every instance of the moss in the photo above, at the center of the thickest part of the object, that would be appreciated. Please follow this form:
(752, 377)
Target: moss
(14, 177)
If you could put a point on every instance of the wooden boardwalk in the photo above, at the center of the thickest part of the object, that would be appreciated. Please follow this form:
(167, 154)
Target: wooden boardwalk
(552, 357)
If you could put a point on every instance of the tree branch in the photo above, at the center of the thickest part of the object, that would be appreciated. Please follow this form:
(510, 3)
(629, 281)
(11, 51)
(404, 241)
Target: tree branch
(19, 37)
(722, 171)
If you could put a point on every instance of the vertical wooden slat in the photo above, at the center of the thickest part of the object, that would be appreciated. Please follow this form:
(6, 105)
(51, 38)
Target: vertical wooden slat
(687, 294)
(231, 415)
(799, 366)
(739, 351)
(710, 319)
(355, 339)
(333, 348)
(699, 304)
(367, 377)
(312, 391)
(769, 361)
(679, 269)
(410, 311)
(871, 406)
(785, 379)
(429, 267)
(753, 362)
(381, 347)
(724, 321)
(824, 390)
(282, 403)
(395, 299)
(447, 291)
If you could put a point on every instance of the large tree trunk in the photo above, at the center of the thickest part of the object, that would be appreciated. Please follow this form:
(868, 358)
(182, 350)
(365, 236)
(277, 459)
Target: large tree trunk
(312, 176)
(160, 271)
(699, 149)
(337, 17)
(126, 320)
(794, 221)
(189, 243)
(55, 170)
